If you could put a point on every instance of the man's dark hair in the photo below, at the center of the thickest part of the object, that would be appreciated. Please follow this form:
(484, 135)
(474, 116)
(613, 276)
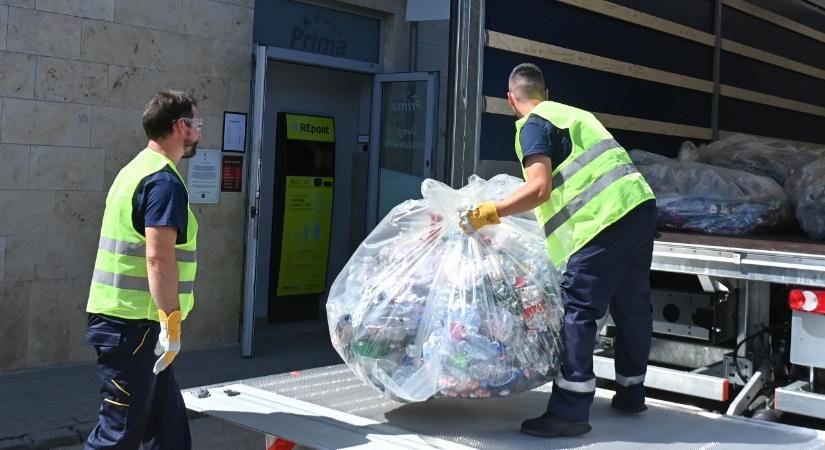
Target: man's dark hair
(527, 82)
(165, 108)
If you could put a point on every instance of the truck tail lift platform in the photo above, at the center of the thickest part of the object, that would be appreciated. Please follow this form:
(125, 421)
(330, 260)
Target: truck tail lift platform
(329, 408)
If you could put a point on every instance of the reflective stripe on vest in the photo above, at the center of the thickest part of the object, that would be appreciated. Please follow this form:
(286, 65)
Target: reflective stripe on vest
(121, 281)
(139, 249)
(592, 188)
(629, 381)
(585, 196)
(588, 156)
(583, 387)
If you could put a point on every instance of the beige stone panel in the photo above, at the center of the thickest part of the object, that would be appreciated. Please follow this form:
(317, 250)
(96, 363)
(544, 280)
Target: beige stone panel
(158, 14)
(214, 319)
(37, 205)
(45, 123)
(132, 87)
(50, 323)
(67, 168)
(221, 21)
(14, 166)
(14, 324)
(232, 60)
(239, 96)
(43, 33)
(36, 257)
(78, 349)
(2, 257)
(62, 80)
(17, 74)
(81, 251)
(226, 218)
(211, 93)
(79, 211)
(4, 25)
(116, 158)
(211, 19)
(118, 128)
(183, 53)
(212, 135)
(115, 43)
(19, 3)
(90, 9)
(220, 249)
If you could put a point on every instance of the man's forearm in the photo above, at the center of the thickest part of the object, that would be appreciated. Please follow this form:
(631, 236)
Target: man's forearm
(525, 198)
(163, 283)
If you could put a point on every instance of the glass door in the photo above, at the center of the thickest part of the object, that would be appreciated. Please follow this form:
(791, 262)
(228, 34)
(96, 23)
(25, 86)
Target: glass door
(403, 136)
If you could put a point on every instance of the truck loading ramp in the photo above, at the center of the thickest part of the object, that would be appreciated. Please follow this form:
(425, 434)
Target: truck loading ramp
(329, 408)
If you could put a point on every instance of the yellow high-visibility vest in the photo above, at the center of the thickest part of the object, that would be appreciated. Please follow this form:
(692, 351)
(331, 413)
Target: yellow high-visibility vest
(120, 284)
(596, 185)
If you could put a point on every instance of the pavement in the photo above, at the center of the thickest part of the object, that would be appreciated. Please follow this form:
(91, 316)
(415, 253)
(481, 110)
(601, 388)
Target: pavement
(57, 406)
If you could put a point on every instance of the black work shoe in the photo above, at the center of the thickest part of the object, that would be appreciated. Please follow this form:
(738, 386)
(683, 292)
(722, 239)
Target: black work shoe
(549, 426)
(627, 408)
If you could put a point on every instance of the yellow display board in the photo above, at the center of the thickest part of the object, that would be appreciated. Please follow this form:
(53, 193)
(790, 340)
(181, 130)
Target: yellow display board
(305, 238)
(310, 128)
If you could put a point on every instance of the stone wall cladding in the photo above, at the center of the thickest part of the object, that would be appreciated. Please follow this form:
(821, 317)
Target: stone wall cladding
(75, 76)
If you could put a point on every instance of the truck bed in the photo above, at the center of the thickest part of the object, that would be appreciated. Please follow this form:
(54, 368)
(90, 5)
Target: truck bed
(329, 408)
(789, 259)
(784, 243)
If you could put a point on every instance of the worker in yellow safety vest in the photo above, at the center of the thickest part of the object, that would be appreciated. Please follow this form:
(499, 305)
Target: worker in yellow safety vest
(142, 285)
(598, 215)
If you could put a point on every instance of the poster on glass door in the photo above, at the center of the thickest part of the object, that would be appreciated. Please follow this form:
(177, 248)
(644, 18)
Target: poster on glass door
(402, 142)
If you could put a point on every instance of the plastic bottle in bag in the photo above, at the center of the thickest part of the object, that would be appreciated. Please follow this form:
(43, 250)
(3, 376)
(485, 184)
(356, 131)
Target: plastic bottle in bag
(422, 310)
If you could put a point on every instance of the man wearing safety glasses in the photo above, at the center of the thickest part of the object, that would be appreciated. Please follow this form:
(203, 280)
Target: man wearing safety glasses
(142, 285)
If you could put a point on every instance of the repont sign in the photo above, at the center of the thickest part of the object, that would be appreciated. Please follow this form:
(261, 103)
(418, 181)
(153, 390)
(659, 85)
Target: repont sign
(310, 128)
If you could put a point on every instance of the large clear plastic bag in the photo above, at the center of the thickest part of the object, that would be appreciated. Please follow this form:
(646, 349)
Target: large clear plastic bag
(806, 187)
(422, 310)
(761, 156)
(700, 197)
(796, 180)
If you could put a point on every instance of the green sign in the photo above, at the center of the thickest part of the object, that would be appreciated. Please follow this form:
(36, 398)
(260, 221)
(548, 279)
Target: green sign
(305, 238)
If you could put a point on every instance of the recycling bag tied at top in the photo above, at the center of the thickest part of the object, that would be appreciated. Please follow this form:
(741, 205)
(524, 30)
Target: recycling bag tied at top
(422, 310)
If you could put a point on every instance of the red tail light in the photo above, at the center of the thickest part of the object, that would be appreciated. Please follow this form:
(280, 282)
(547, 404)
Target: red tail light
(807, 300)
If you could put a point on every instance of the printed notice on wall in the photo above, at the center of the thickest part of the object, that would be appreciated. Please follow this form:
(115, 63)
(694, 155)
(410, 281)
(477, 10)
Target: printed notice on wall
(204, 176)
(234, 131)
(232, 174)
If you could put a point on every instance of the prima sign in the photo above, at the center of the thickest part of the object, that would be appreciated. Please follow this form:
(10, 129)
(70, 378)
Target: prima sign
(302, 27)
(317, 36)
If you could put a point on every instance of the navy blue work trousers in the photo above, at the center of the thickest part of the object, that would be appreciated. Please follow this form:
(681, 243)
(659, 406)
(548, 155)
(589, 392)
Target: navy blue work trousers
(610, 273)
(137, 407)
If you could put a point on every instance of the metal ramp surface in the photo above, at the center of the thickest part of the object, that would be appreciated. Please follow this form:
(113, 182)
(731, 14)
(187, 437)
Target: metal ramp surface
(330, 408)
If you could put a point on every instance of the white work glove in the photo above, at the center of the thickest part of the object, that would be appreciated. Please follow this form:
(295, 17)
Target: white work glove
(168, 344)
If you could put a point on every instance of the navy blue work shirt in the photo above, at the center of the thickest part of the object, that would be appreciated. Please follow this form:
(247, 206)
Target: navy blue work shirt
(540, 137)
(161, 201)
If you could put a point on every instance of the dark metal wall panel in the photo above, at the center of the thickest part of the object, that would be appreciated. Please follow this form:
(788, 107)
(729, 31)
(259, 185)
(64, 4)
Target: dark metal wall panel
(796, 10)
(498, 136)
(755, 32)
(748, 117)
(574, 28)
(696, 14)
(654, 143)
(599, 91)
(757, 76)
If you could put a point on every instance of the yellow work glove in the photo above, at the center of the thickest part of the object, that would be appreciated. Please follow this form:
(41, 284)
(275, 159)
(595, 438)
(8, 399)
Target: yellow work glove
(168, 340)
(474, 219)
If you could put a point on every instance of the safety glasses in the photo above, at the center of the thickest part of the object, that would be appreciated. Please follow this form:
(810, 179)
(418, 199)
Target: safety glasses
(196, 123)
